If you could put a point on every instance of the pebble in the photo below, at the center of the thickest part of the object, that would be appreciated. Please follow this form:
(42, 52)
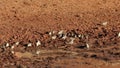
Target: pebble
(29, 45)
(38, 43)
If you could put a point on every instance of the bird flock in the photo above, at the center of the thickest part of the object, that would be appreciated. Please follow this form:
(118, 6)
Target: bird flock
(72, 35)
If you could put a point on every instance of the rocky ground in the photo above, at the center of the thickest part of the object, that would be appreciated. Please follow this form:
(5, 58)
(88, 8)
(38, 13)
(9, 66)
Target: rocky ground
(59, 33)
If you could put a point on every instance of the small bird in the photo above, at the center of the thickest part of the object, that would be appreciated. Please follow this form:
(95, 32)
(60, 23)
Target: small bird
(17, 43)
(71, 40)
(87, 45)
(119, 34)
(38, 43)
(53, 32)
(50, 33)
(12, 47)
(79, 36)
(29, 45)
(38, 52)
(64, 37)
(104, 23)
(12, 52)
(54, 37)
(7, 44)
(60, 32)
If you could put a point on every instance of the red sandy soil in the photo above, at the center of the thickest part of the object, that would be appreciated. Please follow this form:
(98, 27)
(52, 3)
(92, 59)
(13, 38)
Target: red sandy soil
(29, 20)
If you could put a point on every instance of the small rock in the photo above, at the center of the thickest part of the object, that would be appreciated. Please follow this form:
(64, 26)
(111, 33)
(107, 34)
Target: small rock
(38, 43)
